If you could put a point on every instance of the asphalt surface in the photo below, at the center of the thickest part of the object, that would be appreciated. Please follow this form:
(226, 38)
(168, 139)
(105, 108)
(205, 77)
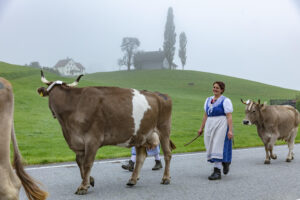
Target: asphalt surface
(249, 178)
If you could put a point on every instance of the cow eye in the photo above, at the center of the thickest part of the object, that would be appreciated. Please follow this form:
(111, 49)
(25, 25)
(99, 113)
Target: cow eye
(253, 111)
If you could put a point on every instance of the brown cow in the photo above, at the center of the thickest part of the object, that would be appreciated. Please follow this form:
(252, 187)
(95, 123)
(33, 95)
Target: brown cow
(10, 183)
(273, 123)
(92, 117)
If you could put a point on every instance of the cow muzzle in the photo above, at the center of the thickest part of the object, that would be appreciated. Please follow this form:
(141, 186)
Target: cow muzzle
(246, 122)
(42, 92)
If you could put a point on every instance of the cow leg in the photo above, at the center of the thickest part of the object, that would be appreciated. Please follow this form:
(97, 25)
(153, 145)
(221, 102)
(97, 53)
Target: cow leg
(273, 156)
(271, 145)
(79, 160)
(267, 160)
(165, 145)
(141, 155)
(290, 156)
(89, 157)
(291, 143)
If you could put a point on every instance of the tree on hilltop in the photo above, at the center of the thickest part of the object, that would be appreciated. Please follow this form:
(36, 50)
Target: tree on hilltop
(35, 64)
(169, 38)
(128, 46)
(182, 48)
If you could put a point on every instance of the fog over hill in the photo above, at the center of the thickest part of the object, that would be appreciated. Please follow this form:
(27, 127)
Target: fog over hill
(252, 39)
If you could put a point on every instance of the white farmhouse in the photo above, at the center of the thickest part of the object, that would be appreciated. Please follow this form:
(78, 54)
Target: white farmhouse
(68, 67)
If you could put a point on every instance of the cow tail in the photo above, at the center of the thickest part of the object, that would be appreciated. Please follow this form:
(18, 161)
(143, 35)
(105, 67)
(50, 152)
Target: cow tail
(297, 118)
(33, 192)
(172, 145)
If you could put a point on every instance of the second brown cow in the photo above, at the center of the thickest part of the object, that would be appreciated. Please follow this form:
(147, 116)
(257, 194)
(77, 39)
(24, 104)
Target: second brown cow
(273, 123)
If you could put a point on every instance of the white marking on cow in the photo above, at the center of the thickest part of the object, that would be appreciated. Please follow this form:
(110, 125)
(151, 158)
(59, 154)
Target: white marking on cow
(125, 144)
(249, 108)
(139, 106)
(54, 83)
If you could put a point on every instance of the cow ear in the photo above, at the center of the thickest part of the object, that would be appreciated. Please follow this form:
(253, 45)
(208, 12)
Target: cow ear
(42, 92)
(263, 106)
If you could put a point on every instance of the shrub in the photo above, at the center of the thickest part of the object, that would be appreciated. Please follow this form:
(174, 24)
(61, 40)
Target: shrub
(298, 104)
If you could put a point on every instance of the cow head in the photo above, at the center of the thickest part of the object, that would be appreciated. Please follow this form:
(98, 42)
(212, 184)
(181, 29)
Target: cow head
(252, 112)
(51, 84)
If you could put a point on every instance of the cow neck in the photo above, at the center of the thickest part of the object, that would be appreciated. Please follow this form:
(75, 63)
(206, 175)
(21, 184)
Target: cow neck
(261, 119)
(53, 84)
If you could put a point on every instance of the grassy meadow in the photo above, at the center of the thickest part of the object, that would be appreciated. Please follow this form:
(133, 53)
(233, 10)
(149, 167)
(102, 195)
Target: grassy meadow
(40, 137)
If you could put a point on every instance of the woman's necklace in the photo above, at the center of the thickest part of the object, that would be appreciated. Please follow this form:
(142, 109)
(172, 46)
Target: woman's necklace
(214, 100)
(210, 109)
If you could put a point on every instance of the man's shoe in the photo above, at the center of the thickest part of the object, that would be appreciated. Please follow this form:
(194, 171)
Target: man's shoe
(225, 167)
(215, 175)
(129, 166)
(157, 165)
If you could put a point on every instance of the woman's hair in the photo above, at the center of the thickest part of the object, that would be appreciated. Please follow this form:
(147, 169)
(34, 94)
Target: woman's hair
(221, 84)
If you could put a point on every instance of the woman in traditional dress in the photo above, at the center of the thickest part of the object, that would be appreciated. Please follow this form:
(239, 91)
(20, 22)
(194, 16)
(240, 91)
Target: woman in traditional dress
(217, 121)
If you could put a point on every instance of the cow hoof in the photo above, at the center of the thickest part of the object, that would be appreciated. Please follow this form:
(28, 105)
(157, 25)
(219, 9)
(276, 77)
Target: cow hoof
(274, 157)
(81, 191)
(267, 162)
(92, 181)
(288, 160)
(131, 182)
(165, 181)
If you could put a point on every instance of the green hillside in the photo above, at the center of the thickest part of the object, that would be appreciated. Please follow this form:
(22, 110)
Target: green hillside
(40, 138)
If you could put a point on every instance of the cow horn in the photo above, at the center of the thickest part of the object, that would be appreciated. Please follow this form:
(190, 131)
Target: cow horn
(43, 79)
(258, 101)
(75, 82)
(243, 102)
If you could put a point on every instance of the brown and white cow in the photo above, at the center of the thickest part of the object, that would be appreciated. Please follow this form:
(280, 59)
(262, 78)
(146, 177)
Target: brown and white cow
(92, 117)
(275, 122)
(10, 182)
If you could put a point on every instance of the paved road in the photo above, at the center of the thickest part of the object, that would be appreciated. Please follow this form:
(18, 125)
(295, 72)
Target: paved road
(248, 178)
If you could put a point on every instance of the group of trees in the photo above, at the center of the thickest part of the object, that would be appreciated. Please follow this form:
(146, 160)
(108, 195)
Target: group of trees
(36, 64)
(130, 44)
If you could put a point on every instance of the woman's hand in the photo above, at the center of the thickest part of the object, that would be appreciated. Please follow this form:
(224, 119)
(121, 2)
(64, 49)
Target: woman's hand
(200, 131)
(230, 135)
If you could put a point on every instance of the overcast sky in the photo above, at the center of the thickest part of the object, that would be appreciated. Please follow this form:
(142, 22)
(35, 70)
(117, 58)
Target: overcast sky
(252, 39)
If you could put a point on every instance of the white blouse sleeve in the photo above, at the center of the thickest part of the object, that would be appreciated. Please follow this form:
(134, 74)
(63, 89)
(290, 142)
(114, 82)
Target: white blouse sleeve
(205, 104)
(228, 108)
